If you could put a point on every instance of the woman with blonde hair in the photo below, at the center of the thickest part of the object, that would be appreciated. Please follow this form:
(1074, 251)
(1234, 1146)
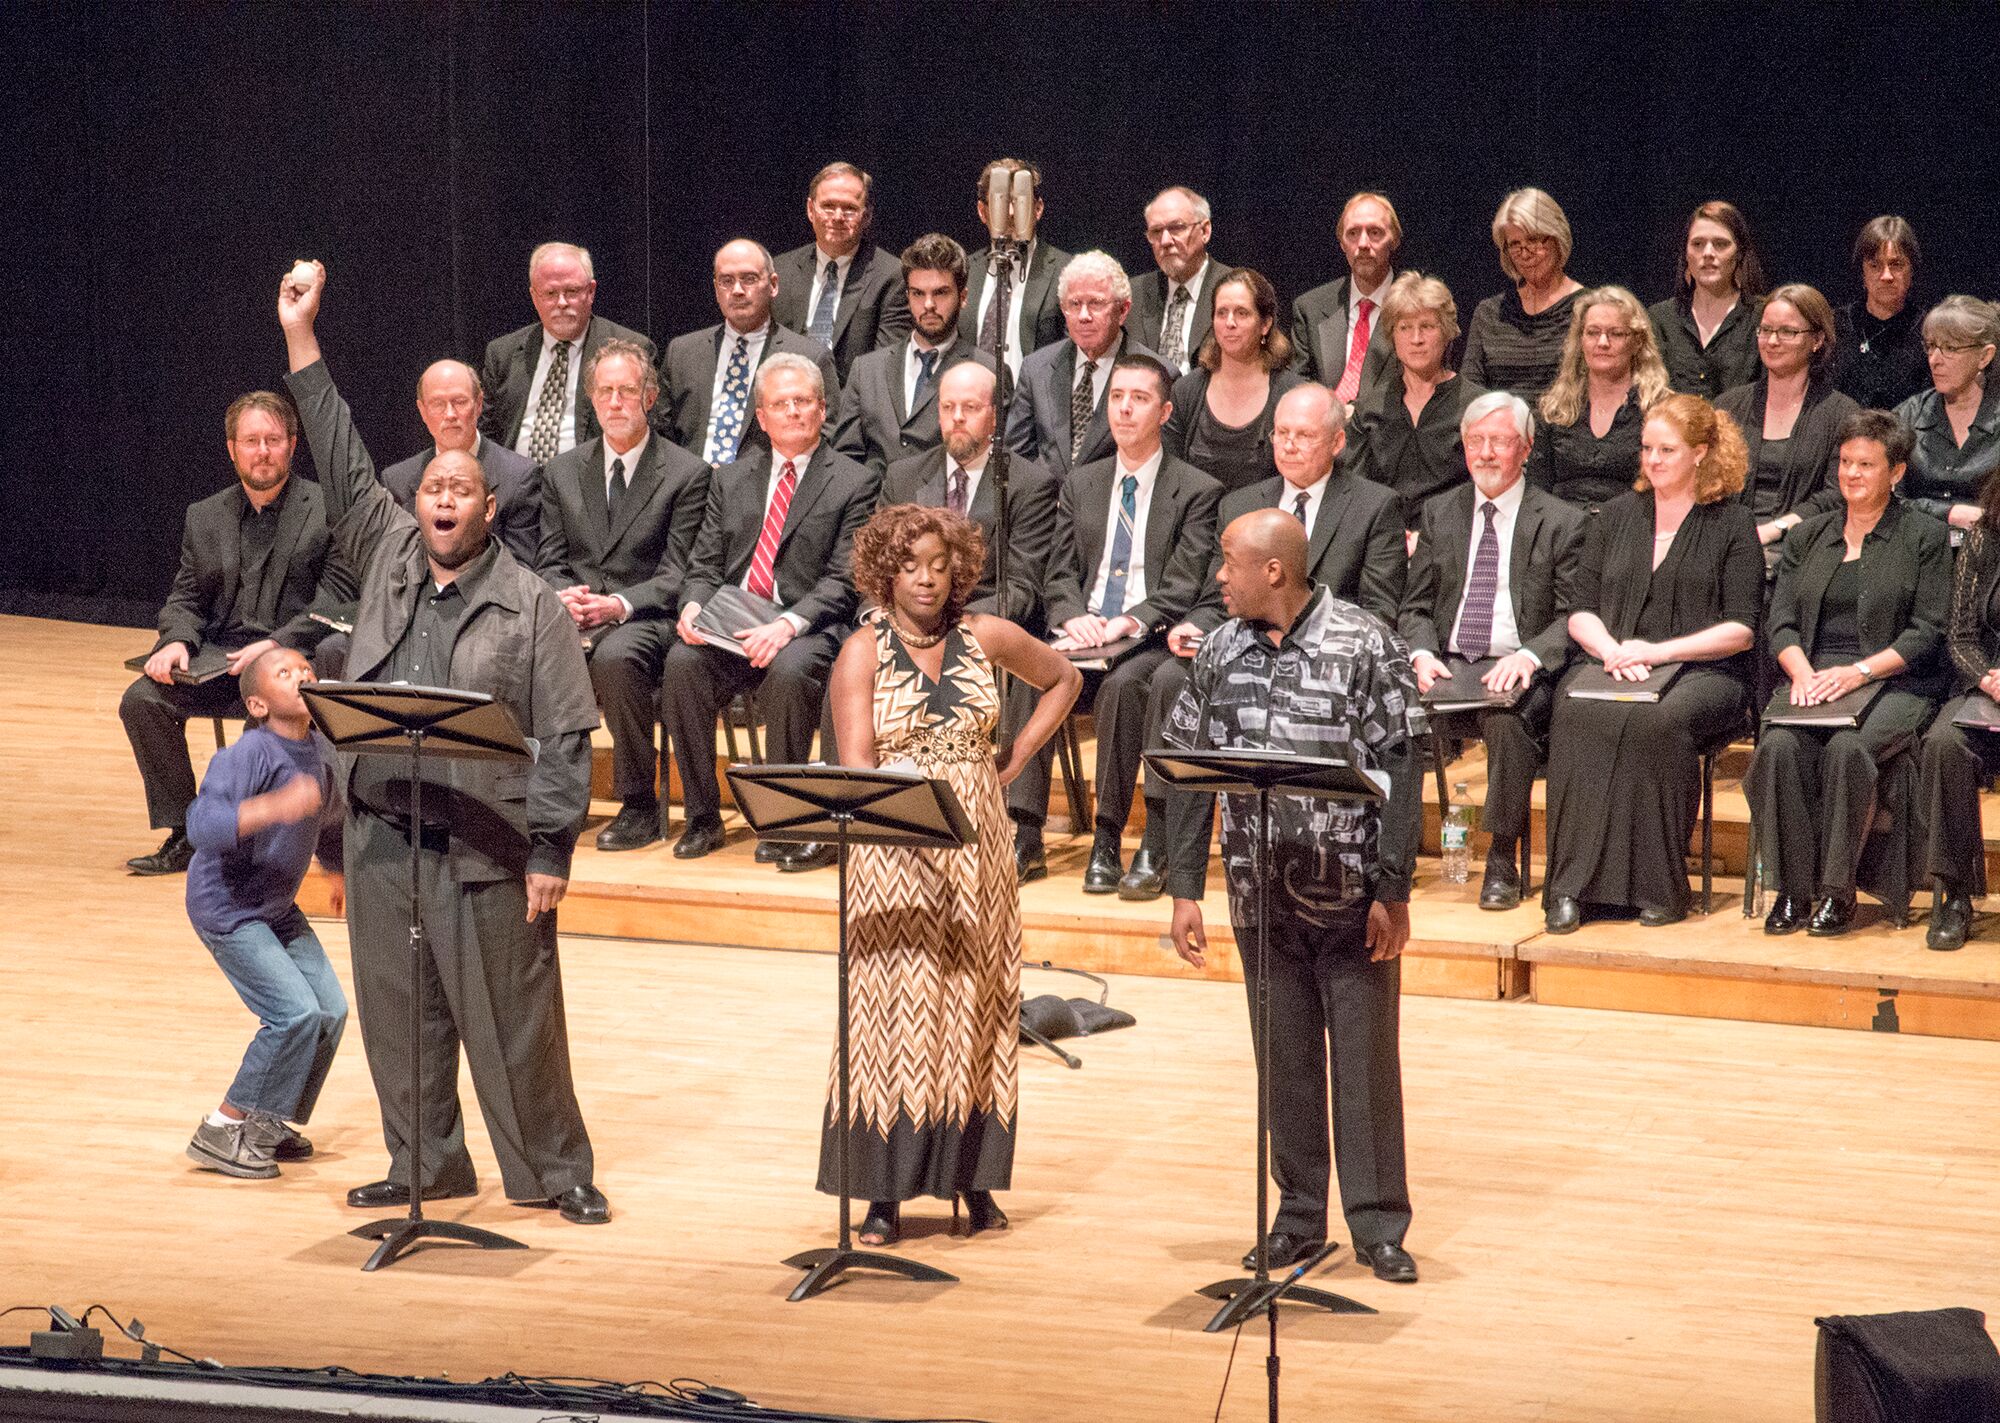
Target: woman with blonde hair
(1515, 340)
(1587, 450)
(1404, 433)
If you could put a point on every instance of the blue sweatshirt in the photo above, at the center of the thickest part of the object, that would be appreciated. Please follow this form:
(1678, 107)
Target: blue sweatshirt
(233, 882)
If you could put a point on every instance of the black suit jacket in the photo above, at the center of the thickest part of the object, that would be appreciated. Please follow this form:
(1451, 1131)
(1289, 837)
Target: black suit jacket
(1038, 419)
(643, 553)
(1319, 339)
(874, 427)
(516, 482)
(205, 584)
(1032, 496)
(509, 369)
(1906, 574)
(1541, 572)
(1149, 308)
(1356, 548)
(1180, 528)
(1041, 314)
(814, 564)
(689, 378)
(873, 310)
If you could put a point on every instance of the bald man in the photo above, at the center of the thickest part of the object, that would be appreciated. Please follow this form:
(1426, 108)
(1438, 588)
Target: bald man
(1297, 670)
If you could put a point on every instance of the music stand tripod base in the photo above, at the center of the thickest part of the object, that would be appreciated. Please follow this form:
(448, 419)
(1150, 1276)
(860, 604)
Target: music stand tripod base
(400, 1234)
(1246, 1297)
(825, 1265)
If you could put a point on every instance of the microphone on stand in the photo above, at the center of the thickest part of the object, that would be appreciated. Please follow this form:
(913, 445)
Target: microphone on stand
(998, 208)
(1024, 206)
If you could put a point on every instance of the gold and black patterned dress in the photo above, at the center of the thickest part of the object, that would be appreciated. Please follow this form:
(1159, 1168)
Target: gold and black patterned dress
(934, 938)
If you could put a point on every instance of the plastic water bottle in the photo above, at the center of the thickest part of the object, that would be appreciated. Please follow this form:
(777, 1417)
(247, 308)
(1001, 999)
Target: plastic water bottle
(1456, 835)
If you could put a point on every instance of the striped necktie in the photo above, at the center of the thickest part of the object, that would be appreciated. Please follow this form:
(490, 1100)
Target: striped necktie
(1475, 624)
(1121, 549)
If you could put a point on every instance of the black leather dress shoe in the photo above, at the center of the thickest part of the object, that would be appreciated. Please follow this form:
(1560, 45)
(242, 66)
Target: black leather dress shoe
(698, 840)
(1146, 879)
(809, 857)
(1030, 864)
(1501, 889)
(1788, 915)
(1282, 1250)
(1563, 916)
(634, 828)
(579, 1205)
(1389, 1262)
(1660, 918)
(381, 1195)
(1104, 872)
(769, 852)
(1834, 914)
(1951, 922)
(172, 858)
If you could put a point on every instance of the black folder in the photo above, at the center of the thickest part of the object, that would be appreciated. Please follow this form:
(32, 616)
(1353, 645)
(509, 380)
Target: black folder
(1839, 714)
(1462, 690)
(729, 611)
(1593, 684)
(1978, 712)
(204, 666)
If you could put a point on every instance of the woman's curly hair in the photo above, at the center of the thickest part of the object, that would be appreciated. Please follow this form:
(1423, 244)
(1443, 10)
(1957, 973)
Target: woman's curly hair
(883, 545)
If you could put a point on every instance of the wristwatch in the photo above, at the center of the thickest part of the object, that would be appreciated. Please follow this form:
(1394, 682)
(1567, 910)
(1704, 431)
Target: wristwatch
(1867, 672)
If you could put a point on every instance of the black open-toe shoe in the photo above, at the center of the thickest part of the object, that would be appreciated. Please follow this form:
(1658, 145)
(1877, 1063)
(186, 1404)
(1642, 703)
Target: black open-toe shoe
(883, 1224)
(983, 1213)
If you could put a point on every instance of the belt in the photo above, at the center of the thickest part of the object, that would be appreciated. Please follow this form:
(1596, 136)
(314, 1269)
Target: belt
(430, 837)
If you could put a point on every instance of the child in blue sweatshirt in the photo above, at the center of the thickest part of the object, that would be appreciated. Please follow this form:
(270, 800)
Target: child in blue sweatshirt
(266, 803)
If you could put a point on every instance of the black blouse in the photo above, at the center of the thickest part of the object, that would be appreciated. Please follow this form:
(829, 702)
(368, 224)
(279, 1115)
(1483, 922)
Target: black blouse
(1808, 481)
(1903, 593)
(1714, 573)
(1507, 349)
(1943, 472)
(1973, 634)
(1233, 457)
(1577, 467)
(1416, 460)
(1728, 360)
(1880, 363)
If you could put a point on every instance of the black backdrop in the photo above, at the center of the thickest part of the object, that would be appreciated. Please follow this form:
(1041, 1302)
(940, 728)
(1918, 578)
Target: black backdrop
(168, 161)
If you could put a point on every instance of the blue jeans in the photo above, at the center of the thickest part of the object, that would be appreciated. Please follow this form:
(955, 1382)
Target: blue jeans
(290, 986)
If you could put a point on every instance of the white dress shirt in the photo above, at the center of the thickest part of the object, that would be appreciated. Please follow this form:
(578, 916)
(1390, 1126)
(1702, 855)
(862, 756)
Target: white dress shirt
(755, 354)
(1288, 498)
(1015, 349)
(841, 265)
(1506, 632)
(1135, 567)
(912, 366)
(1193, 285)
(566, 433)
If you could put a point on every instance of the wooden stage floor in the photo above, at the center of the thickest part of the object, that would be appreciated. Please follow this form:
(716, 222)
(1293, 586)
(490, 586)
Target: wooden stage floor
(1618, 1215)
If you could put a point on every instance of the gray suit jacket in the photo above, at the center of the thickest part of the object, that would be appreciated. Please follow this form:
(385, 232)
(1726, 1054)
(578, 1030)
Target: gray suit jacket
(643, 553)
(516, 482)
(1032, 496)
(873, 309)
(1041, 314)
(1541, 572)
(1356, 547)
(689, 378)
(1038, 420)
(509, 370)
(1149, 308)
(1319, 339)
(1180, 529)
(874, 427)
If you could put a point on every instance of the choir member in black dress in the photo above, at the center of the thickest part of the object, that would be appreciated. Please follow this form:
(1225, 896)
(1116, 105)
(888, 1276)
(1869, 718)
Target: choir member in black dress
(1404, 434)
(1862, 596)
(1221, 422)
(1670, 574)
(1708, 332)
(1516, 337)
(1587, 448)
(1791, 414)
(1956, 423)
(1881, 346)
(1956, 762)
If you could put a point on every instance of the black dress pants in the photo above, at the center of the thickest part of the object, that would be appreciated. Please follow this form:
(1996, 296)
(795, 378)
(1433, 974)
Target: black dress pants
(1954, 768)
(626, 664)
(701, 681)
(1515, 737)
(156, 717)
(1116, 700)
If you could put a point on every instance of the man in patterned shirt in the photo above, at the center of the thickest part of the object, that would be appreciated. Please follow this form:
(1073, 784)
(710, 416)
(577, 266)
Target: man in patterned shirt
(1298, 670)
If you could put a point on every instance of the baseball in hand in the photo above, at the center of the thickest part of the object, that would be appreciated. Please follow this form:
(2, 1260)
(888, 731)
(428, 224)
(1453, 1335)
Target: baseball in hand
(303, 275)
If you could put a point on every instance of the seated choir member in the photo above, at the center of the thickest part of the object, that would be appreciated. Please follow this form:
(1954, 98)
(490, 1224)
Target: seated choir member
(1132, 537)
(619, 518)
(451, 404)
(1516, 337)
(1880, 347)
(1587, 450)
(1058, 415)
(705, 405)
(840, 289)
(1956, 423)
(1862, 596)
(1034, 312)
(1354, 548)
(1790, 415)
(1957, 763)
(780, 525)
(1221, 423)
(1173, 304)
(1492, 576)
(1708, 331)
(1405, 436)
(1670, 574)
(254, 559)
(889, 410)
(532, 375)
(1338, 335)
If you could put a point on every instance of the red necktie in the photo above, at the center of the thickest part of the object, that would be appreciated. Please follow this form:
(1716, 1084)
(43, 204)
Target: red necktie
(762, 581)
(1357, 351)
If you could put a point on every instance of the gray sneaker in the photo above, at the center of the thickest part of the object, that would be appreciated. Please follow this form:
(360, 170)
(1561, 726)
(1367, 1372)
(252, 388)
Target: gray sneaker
(231, 1151)
(277, 1139)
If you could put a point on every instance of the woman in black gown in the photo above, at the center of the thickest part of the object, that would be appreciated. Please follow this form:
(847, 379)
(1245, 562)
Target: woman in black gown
(1586, 450)
(1670, 574)
(1224, 405)
(1404, 433)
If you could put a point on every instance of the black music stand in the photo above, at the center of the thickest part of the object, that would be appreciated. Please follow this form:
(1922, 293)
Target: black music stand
(1261, 773)
(849, 806)
(365, 719)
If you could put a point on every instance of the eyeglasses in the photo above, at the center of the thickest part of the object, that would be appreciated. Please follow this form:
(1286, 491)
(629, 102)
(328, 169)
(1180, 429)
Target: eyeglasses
(572, 295)
(1084, 306)
(739, 283)
(792, 404)
(1598, 334)
(1491, 444)
(838, 210)
(1783, 335)
(1417, 326)
(619, 392)
(1941, 347)
(1525, 244)
(1175, 230)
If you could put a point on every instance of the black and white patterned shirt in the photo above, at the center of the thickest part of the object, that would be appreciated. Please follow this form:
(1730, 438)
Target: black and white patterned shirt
(1337, 684)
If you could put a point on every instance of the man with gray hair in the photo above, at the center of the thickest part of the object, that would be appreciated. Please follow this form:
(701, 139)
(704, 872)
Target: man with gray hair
(1174, 306)
(1058, 414)
(841, 289)
(531, 375)
(1488, 614)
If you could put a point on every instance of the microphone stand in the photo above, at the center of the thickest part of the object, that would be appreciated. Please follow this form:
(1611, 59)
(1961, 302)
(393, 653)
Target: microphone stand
(1003, 255)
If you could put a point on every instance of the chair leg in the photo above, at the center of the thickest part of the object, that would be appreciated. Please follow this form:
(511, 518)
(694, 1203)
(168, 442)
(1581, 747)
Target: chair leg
(1528, 859)
(1438, 766)
(1708, 833)
(754, 725)
(221, 733)
(729, 730)
(1069, 757)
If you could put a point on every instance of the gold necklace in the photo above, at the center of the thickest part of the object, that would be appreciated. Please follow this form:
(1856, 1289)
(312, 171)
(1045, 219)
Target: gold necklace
(916, 639)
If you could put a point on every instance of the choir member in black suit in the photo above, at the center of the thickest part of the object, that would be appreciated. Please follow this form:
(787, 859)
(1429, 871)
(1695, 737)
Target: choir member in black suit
(1862, 597)
(841, 289)
(1880, 358)
(1406, 437)
(1058, 415)
(1221, 423)
(532, 375)
(1956, 423)
(1670, 574)
(780, 525)
(1337, 320)
(1708, 331)
(619, 520)
(889, 411)
(1587, 450)
(1034, 312)
(1791, 414)
(1173, 305)
(1493, 576)
(1516, 337)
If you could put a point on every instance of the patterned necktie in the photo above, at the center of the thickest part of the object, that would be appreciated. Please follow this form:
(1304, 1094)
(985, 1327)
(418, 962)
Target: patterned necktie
(1357, 351)
(989, 325)
(615, 490)
(763, 580)
(549, 409)
(1121, 549)
(1173, 336)
(1475, 624)
(1299, 507)
(1082, 400)
(926, 365)
(821, 327)
(725, 426)
(954, 498)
